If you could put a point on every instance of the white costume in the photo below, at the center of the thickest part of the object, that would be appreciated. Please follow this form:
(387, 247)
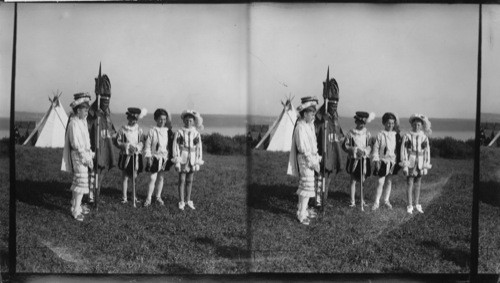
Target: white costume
(415, 154)
(156, 146)
(77, 156)
(384, 149)
(304, 158)
(187, 150)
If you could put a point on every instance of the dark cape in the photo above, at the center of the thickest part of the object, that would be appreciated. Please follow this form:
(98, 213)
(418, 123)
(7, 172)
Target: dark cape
(107, 159)
(333, 158)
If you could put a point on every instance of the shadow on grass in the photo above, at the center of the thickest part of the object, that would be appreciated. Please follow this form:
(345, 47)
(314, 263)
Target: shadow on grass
(173, 268)
(489, 192)
(266, 197)
(4, 259)
(457, 256)
(38, 194)
(272, 198)
(229, 252)
(43, 194)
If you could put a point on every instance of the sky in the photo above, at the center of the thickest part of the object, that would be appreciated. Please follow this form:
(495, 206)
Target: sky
(490, 74)
(171, 56)
(6, 38)
(413, 58)
(239, 58)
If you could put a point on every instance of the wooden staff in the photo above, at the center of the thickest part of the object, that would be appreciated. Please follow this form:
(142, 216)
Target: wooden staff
(325, 139)
(96, 167)
(133, 178)
(361, 185)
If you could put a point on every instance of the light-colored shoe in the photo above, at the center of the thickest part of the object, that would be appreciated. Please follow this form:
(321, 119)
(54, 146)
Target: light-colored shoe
(388, 205)
(375, 206)
(418, 207)
(85, 209)
(409, 209)
(311, 213)
(190, 204)
(124, 200)
(147, 203)
(79, 217)
(305, 221)
(353, 204)
(181, 205)
(160, 201)
(318, 201)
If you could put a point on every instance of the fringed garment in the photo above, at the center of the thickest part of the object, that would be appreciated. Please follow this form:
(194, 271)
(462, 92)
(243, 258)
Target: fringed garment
(304, 159)
(107, 157)
(77, 155)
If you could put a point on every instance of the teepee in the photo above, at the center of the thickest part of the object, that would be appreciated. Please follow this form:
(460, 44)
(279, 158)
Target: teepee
(281, 131)
(494, 139)
(51, 129)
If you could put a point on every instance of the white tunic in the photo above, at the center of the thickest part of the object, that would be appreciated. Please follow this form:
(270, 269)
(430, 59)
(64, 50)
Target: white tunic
(384, 148)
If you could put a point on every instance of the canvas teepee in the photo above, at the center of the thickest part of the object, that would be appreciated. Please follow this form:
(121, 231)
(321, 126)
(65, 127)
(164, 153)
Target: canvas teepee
(51, 129)
(494, 139)
(281, 131)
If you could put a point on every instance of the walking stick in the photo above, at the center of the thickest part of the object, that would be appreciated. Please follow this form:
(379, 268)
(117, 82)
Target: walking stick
(133, 178)
(325, 139)
(361, 185)
(96, 167)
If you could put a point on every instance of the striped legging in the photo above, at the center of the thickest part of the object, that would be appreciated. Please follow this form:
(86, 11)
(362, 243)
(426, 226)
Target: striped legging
(80, 174)
(306, 181)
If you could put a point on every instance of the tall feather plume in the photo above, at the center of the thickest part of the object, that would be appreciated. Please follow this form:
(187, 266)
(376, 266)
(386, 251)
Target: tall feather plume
(371, 116)
(144, 112)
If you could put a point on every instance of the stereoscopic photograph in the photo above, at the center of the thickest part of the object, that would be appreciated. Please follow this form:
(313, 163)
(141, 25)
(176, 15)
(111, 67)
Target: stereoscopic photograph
(367, 165)
(130, 154)
(249, 139)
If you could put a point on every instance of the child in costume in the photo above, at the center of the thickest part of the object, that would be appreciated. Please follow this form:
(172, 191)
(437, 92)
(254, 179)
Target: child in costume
(187, 154)
(77, 155)
(304, 158)
(130, 142)
(158, 152)
(357, 144)
(416, 157)
(384, 157)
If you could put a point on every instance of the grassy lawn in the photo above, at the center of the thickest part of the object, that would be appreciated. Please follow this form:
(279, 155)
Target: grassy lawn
(4, 208)
(489, 211)
(121, 239)
(348, 240)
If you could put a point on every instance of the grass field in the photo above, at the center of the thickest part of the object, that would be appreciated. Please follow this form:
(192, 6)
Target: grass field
(4, 208)
(121, 239)
(350, 241)
(489, 211)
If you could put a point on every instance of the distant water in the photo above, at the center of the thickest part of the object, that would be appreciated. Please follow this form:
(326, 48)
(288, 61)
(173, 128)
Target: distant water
(462, 129)
(226, 125)
(231, 125)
